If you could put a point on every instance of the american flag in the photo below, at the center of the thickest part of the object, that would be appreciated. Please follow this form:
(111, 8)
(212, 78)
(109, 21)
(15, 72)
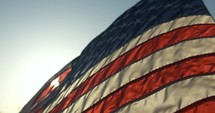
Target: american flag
(157, 57)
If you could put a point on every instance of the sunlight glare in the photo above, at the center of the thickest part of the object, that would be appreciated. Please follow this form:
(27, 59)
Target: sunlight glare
(55, 83)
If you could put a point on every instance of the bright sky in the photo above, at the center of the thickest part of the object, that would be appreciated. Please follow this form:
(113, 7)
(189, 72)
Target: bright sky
(37, 38)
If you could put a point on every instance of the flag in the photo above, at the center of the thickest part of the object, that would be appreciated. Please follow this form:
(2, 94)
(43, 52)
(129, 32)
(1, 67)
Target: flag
(158, 56)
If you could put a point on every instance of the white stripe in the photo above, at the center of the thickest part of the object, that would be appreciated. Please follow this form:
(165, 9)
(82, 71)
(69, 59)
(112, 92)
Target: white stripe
(174, 97)
(155, 31)
(159, 59)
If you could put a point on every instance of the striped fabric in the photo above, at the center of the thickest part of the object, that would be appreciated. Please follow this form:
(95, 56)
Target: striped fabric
(157, 57)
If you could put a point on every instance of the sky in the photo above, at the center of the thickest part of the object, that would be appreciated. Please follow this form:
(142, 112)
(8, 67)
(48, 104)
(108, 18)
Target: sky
(39, 37)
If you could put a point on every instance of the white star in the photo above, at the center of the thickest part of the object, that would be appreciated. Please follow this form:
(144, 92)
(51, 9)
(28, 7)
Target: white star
(151, 8)
(123, 35)
(116, 22)
(138, 11)
(137, 21)
(126, 16)
(168, 6)
(112, 29)
(188, 6)
(139, 4)
(153, 17)
(124, 25)
(151, 1)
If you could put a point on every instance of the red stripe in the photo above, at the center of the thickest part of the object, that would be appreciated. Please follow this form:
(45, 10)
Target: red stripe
(206, 105)
(153, 82)
(139, 52)
(50, 88)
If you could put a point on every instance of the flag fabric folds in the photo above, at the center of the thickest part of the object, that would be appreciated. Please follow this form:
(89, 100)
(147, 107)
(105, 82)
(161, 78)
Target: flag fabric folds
(158, 56)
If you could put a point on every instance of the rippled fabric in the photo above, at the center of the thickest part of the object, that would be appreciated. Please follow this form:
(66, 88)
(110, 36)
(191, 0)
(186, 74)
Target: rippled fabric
(131, 24)
(156, 45)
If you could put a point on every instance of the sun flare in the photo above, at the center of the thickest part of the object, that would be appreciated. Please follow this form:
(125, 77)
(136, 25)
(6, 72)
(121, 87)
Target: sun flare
(55, 83)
